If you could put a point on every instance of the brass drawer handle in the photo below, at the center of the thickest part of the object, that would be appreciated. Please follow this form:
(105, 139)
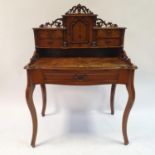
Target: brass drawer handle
(79, 77)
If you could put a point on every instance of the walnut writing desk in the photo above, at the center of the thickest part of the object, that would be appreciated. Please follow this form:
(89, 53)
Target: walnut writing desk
(79, 49)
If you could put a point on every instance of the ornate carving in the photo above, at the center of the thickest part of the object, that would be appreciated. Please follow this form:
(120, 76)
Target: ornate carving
(34, 57)
(94, 44)
(79, 9)
(58, 23)
(102, 23)
(125, 57)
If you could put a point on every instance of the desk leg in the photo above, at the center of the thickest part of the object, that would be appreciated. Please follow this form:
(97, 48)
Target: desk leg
(131, 98)
(29, 98)
(113, 88)
(43, 91)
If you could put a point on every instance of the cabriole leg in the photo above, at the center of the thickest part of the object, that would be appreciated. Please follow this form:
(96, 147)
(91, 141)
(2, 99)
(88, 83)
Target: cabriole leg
(29, 98)
(43, 91)
(130, 102)
(112, 96)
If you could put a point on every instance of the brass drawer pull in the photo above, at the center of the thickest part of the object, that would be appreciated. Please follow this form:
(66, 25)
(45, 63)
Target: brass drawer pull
(80, 77)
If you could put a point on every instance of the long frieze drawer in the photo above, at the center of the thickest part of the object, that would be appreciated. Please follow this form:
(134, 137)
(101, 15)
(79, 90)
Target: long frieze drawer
(110, 33)
(48, 38)
(80, 77)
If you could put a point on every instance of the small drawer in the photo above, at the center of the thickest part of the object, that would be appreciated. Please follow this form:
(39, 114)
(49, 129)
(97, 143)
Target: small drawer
(108, 42)
(48, 38)
(108, 38)
(109, 33)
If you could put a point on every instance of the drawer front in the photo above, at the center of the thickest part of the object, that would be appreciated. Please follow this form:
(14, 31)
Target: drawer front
(109, 42)
(47, 38)
(80, 78)
(109, 33)
(110, 37)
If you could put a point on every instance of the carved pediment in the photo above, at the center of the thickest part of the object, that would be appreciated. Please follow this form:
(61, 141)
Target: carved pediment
(58, 23)
(79, 9)
(102, 23)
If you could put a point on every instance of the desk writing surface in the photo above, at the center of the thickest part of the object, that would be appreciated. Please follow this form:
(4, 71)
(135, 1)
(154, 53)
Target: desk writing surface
(79, 63)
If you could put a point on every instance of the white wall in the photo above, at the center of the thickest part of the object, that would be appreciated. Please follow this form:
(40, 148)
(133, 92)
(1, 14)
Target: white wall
(18, 17)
